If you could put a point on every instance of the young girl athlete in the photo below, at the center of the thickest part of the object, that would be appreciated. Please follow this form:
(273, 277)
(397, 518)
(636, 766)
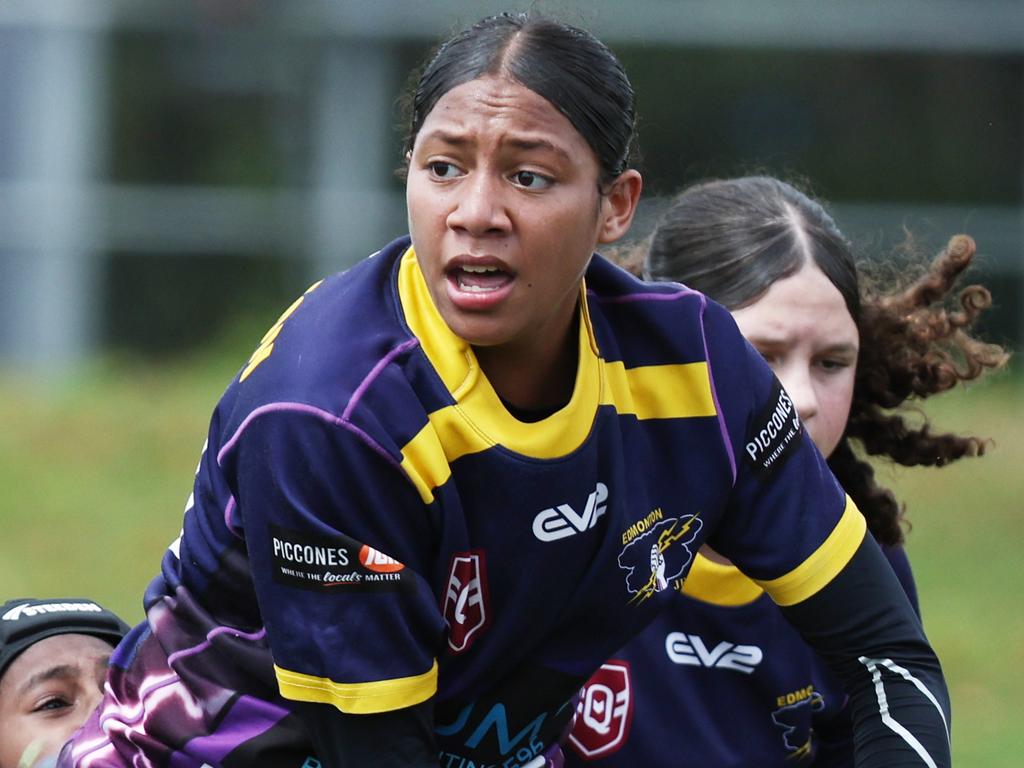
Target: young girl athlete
(453, 480)
(721, 679)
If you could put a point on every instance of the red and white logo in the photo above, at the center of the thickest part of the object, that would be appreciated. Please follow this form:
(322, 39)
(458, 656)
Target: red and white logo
(375, 560)
(465, 601)
(604, 712)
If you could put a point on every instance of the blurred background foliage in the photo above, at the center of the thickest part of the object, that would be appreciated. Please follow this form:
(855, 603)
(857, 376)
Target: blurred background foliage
(852, 126)
(217, 108)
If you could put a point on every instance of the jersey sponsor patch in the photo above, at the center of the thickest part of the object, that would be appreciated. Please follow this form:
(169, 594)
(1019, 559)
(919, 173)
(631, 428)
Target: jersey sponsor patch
(690, 650)
(466, 609)
(331, 563)
(655, 558)
(604, 712)
(559, 522)
(776, 433)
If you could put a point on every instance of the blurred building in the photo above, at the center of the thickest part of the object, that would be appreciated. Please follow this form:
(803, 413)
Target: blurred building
(166, 168)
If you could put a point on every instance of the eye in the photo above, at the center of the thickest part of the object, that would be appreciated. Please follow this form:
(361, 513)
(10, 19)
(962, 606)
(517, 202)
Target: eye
(52, 703)
(833, 365)
(531, 180)
(439, 169)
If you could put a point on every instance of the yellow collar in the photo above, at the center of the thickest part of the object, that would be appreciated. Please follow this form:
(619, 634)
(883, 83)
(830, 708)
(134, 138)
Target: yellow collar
(475, 399)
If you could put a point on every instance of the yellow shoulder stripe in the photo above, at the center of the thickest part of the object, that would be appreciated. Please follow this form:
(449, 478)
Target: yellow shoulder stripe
(358, 698)
(678, 391)
(648, 392)
(423, 460)
(823, 565)
(719, 584)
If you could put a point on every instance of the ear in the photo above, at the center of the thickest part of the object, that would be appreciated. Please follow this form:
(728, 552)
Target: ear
(619, 206)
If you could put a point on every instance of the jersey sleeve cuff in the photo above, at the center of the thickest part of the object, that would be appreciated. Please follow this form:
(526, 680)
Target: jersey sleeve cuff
(358, 698)
(824, 563)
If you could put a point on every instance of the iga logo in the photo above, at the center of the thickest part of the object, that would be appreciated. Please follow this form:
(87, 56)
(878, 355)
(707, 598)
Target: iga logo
(465, 601)
(691, 651)
(375, 560)
(604, 712)
(561, 521)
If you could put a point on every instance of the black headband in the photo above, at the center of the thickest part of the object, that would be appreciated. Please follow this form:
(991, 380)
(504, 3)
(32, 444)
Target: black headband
(27, 621)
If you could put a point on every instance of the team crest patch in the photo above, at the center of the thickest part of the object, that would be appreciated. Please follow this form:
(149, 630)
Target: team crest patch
(776, 433)
(604, 712)
(653, 559)
(466, 600)
(794, 717)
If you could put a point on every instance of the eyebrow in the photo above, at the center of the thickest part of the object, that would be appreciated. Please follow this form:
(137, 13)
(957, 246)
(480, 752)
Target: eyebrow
(781, 341)
(534, 144)
(524, 144)
(61, 671)
(841, 348)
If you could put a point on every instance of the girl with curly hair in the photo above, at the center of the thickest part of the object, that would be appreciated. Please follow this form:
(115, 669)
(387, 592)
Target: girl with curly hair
(851, 357)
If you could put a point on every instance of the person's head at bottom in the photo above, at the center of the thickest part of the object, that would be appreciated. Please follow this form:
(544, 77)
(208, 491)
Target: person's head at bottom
(53, 660)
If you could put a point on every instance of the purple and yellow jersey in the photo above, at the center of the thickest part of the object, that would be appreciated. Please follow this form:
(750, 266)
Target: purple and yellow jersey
(718, 679)
(370, 528)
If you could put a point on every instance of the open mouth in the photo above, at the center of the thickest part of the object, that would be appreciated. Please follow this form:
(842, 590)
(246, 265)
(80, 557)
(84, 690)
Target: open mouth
(479, 279)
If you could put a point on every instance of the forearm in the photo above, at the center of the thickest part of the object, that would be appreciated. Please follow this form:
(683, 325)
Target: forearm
(865, 628)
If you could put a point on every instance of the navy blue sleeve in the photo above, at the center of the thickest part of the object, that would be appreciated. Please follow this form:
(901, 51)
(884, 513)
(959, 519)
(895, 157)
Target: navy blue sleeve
(864, 627)
(338, 543)
(785, 503)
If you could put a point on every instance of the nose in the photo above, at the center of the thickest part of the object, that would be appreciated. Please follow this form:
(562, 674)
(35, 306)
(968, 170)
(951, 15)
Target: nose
(91, 696)
(797, 382)
(480, 208)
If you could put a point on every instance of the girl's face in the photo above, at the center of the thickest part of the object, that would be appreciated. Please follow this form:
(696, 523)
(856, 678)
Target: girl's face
(802, 327)
(504, 213)
(47, 693)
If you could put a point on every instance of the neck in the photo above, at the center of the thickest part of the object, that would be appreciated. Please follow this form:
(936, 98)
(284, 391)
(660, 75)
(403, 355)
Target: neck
(534, 378)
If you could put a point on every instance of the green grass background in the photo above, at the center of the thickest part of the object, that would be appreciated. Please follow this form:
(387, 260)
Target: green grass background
(95, 471)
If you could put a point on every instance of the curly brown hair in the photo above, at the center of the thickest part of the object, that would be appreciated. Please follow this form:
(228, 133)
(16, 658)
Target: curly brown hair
(732, 239)
(913, 345)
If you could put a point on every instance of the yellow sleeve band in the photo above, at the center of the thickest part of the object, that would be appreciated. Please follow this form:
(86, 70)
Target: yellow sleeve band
(824, 564)
(358, 698)
(719, 584)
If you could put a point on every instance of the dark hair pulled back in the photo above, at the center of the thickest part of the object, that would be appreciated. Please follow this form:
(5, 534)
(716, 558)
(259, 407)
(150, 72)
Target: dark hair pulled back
(732, 239)
(567, 66)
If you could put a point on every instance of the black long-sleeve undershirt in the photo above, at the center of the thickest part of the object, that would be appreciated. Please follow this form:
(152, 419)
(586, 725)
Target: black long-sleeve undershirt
(865, 628)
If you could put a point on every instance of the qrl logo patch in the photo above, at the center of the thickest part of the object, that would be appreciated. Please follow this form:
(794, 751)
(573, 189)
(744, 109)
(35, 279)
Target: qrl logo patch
(465, 602)
(604, 712)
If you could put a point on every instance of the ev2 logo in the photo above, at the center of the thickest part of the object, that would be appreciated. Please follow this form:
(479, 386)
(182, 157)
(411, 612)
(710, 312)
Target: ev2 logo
(558, 522)
(690, 650)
